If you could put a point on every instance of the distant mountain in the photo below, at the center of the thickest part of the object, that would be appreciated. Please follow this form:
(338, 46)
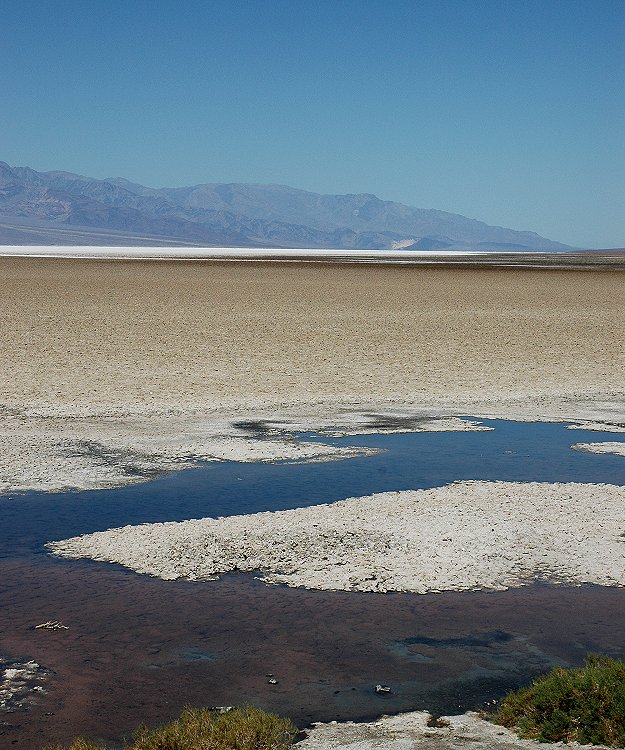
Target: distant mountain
(65, 208)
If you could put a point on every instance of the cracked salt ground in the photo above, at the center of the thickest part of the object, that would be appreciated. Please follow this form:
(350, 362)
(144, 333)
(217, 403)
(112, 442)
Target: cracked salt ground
(616, 448)
(463, 536)
(418, 730)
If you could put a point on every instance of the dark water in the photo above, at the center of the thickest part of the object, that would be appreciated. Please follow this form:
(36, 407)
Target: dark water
(139, 649)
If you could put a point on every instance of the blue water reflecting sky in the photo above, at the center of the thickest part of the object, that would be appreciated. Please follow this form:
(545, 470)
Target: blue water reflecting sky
(513, 451)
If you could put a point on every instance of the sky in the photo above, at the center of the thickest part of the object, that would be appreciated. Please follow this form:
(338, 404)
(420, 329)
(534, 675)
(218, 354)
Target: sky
(511, 112)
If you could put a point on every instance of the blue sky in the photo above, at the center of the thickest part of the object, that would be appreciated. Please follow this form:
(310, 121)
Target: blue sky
(509, 112)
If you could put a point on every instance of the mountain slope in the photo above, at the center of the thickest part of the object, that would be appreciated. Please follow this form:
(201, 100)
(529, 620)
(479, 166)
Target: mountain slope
(361, 213)
(241, 215)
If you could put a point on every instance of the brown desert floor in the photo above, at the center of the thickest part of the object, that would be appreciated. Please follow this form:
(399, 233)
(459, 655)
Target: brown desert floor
(139, 336)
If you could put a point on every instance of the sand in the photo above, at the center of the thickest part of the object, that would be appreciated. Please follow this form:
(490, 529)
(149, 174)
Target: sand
(409, 731)
(129, 357)
(464, 536)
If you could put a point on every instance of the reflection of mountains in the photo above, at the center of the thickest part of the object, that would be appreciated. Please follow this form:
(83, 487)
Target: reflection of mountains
(40, 207)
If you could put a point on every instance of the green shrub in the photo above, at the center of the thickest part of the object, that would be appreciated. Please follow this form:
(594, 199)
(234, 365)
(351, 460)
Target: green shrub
(245, 728)
(584, 705)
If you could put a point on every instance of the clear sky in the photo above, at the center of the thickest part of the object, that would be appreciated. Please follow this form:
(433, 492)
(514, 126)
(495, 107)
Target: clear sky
(512, 112)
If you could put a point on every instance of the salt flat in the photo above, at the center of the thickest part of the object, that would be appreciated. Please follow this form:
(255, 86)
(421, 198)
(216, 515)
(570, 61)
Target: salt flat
(113, 337)
(226, 253)
(163, 361)
(164, 356)
(463, 536)
(54, 454)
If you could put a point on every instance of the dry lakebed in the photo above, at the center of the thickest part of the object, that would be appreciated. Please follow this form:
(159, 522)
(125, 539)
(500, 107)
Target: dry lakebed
(115, 372)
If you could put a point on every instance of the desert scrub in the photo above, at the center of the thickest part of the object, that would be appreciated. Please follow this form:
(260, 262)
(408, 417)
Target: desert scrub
(245, 728)
(584, 705)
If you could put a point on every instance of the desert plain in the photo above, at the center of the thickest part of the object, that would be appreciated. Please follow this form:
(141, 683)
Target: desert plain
(154, 364)
(98, 338)
(115, 370)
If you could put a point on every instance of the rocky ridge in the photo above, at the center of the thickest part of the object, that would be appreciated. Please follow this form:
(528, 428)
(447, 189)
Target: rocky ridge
(47, 204)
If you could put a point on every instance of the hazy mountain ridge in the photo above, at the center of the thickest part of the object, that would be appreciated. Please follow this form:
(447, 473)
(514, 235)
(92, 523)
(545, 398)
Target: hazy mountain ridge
(238, 214)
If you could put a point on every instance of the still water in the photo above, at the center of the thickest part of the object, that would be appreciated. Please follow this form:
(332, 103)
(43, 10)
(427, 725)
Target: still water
(139, 649)
(512, 451)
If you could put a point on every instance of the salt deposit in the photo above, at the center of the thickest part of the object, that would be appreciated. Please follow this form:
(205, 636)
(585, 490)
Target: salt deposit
(466, 535)
(112, 452)
(409, 731)
(384, 422)
(107, 363)
(597, 426)
(618, 449)
(19, 683)
(54, 454)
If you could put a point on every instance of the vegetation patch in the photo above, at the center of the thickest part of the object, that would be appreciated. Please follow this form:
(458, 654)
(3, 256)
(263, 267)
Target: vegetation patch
(245, 728)
(584, 705)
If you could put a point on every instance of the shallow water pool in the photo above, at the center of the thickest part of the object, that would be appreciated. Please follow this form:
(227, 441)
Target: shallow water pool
(139, 649)
(512, 451)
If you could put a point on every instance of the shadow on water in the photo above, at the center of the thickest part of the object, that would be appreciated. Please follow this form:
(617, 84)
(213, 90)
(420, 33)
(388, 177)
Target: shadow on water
(139, 649)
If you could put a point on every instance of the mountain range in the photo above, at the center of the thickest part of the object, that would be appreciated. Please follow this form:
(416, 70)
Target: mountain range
(61, 208)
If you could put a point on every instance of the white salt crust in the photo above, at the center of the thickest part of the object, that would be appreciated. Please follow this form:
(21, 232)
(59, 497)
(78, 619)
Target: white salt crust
(466, 535)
